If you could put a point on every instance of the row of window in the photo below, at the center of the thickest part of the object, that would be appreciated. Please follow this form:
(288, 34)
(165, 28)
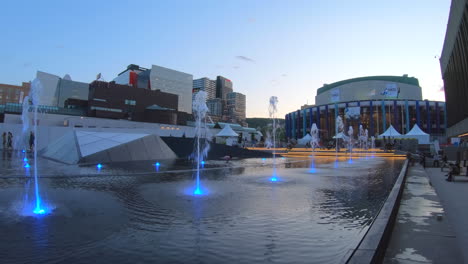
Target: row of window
(130, 102)
(106, 109)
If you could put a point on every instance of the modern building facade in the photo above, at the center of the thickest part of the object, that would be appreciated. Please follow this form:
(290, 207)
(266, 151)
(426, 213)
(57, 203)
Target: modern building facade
(13, 93)
(55, 90)
(223, 87)
(236, 108)
(207, 85)
(116, 101)
(174, 82)
(135, 76)
(375, 102)
(454, 67)
(215, 107)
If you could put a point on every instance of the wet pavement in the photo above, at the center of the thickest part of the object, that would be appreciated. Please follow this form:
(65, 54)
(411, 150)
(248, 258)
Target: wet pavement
(423, 232)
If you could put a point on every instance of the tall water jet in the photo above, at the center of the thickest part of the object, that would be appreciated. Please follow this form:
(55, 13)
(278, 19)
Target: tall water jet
(314, 143)
(350, 143)
(339, 127)
(200, 109)
(314, 134)
(272, 109)
(36, 87)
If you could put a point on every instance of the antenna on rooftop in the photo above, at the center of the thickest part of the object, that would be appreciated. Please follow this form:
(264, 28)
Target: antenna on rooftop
(99, 77)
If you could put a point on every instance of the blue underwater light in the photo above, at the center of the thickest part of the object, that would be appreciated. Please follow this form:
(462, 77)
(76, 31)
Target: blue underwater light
(157, 164)
(25, 159)
(274, 179)
(99, 166)
(198, 191)
(27, 165)
(39, 211)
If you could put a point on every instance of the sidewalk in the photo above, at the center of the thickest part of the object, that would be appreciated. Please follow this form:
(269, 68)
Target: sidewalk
(454, 199)
(423, 231)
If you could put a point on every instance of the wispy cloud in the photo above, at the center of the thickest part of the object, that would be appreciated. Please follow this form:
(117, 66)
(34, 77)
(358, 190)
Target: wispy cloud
(244, 58)
(235, 67)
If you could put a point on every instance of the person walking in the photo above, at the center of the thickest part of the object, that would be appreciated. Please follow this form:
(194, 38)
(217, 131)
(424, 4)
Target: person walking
(31, 141)
(4, 137)
(10, 140)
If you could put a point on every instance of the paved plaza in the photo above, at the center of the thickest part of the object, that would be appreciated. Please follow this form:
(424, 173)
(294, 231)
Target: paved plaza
(431, 222)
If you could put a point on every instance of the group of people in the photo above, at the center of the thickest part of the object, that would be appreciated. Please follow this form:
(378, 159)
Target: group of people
(7, 139)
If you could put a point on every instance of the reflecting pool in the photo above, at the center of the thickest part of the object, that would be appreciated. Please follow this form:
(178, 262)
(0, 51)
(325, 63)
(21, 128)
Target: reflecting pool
(135, 214)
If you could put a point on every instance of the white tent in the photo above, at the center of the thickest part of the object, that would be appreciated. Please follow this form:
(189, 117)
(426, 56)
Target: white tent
(417, 133)
(304, 140)
(340, 135)
(227, 135)
(390, 132)
(227, 132)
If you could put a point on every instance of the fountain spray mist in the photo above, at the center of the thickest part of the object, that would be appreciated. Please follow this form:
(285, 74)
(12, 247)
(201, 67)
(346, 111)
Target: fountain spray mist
(272, 109)
(200, 109)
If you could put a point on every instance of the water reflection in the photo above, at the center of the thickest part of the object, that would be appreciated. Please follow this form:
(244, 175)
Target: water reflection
(143, 216)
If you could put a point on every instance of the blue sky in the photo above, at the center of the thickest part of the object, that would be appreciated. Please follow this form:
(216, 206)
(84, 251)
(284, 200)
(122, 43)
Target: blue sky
(284, 48)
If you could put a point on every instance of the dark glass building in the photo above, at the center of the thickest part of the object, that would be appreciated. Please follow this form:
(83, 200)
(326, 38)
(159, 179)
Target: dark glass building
(454, 67)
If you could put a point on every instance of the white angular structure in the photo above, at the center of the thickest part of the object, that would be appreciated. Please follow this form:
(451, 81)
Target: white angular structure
(103, 147)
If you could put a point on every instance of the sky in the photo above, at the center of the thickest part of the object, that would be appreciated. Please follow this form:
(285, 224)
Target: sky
(267, 48)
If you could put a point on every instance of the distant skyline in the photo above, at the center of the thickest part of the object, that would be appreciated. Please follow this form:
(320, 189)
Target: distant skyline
(288, 49)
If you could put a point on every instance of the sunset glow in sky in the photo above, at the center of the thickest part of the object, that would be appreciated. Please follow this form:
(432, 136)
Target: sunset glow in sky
(284, 48)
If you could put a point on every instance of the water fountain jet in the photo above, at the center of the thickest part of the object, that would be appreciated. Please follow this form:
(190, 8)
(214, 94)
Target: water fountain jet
(272, 109)
(200, 109)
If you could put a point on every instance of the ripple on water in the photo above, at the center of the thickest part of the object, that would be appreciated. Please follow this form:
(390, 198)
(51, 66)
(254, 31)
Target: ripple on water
(78, 221)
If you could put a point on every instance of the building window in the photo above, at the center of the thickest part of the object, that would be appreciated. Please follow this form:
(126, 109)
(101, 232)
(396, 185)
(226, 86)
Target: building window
(130, 102)
(106, 109)
(100, 100)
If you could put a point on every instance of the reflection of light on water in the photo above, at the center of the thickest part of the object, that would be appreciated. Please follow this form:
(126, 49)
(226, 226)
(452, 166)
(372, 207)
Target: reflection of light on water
(39, 211)
(27, 165)
(99, 166)
(350, 160)
(197, 191)
(25, 159)
(274, 179)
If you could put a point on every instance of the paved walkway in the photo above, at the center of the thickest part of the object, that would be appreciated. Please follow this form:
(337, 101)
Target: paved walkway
(430, 225)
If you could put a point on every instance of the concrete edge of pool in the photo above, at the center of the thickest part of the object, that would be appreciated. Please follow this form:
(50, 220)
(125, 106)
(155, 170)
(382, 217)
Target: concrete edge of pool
(372, 247)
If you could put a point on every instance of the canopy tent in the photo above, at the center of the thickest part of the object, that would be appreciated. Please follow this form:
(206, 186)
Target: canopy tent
(304, 140)
(227, 135)
(417, 133)
(390, 132)
(340, 135)
(227, 132)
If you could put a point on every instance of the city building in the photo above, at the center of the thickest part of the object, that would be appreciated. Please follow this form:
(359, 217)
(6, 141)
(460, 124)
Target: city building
(454, 67)
(13, 93)
(174, 82)
(375, 102)
(160, 78)
(135, 76)
(54, 91)
(223, 87)
(205, 84)
(117, 101)
(215, 107)
(236, 108)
